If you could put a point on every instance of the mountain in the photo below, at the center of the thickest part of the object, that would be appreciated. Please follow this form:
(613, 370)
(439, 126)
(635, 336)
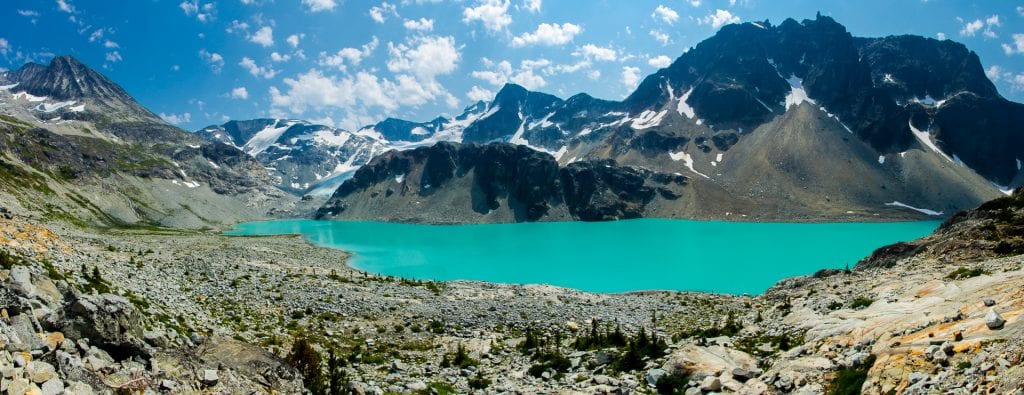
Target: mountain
(800, 121)
(76, 145)
(306, 158)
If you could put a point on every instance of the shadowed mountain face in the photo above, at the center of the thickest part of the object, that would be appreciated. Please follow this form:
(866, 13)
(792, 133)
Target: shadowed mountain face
(799, 121)
(71, 134)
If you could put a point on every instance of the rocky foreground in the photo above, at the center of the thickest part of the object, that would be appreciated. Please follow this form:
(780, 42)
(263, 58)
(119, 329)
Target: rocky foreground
(163, 311)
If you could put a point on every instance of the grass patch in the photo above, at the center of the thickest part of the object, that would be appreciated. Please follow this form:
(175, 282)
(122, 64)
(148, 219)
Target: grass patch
(965, 273)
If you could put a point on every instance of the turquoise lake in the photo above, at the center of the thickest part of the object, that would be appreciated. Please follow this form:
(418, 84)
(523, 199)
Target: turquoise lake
(618, 256)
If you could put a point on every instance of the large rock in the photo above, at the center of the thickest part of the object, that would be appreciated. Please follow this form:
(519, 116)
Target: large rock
(110, 321)
(707, 361)
(21, 281)
(993, 320)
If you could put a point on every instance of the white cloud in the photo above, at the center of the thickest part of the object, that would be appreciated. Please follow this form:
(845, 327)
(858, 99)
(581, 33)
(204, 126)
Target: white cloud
(1017, 47)
(176, 119)
(96, 35)
(238, 26)
(264, 36)
(5, 47)
(240, 93)
(425, 57)
(66, 6)
(696, 3)
(630, 76)
(660, 61)
(350, 56)
(666, 14)
(423, 24)
(110, 44)
(213, 59)
(113, 57)
(1020, 10)
(257, 70)
(277, 58)
(719, 18)
(380, 13)
(293, 40)
(1016, 82)
(548, 34)
(660, 36)
(594, 74)
(493, 14)
(971, 28)
(416, 64)
(594, 52)
(477, 93)
(503, 72)
(533, 6)
(319, 5)
(203, 12)
(940, 35)
(994, 72)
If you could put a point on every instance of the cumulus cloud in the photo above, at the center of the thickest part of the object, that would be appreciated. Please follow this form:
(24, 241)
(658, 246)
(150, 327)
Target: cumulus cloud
(5, 47)
(240, 93)
(499, 73)
(660, 36)
(422, 24)
(1016, 47)
(348, 56)
(319, 5)
(176, 119)
(277, 58)
(493, 14)
(994, 72)
(66, 6)
(971, 28)
(940, 35)
(113, 57)
(719, 18)
(548, 34)
(293, 40)
(264, 36)
(533, 6)
(660, 61)
(380, 13)
(213, 59)
(477, 93)
(203, 12)
(594, 52)
(666, 14)
(630, 76)
(257, 70)
(416, 64)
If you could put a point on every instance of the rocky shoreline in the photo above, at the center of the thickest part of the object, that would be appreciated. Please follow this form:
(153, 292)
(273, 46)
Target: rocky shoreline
(217, 314)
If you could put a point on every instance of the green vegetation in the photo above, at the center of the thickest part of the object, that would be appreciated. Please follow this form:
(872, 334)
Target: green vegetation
(637, 348)
(479, 382)
(317, 378)
(848, 381)
(8, 261)
(861, 302)
(460, 359)
(965, 273)
(93, 281)
(672, 384)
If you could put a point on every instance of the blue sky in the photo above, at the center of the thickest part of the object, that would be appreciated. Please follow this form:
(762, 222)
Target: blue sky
(351, 63)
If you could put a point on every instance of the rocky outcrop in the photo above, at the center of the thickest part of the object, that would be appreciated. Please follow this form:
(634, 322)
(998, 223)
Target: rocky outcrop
(502, 176)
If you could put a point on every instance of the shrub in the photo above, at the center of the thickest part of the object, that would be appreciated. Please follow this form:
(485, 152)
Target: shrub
(861, 302)
(964, 273)
(848, 381)
(479, 382)
(672, 384)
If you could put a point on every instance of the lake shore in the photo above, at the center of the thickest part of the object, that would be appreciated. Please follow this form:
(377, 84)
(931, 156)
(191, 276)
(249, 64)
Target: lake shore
(267, 291)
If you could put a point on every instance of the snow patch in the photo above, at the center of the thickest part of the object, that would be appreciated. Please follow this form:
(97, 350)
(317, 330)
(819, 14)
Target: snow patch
(29, 97)
(648, 119)
(419, 131)
(881, 159)
(1005, 190)
(400, 178)
(51, 107)
(687, 161)
(887, 78)
(7, 87)
(718, 158)
(1018, 164)
(925, 138)
(797, 94)
(920, 210)
(331, 138)
(266, 138)
(683, 108)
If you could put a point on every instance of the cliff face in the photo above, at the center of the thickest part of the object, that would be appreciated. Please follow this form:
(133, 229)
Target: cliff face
(487, 183)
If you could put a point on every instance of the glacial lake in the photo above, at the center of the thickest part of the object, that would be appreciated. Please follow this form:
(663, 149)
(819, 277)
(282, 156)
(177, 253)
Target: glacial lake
(618, 256)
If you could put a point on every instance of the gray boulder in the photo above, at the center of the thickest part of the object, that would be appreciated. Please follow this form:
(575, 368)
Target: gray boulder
(109, 321)
(993, 320)
(21, 281)
(654, 375)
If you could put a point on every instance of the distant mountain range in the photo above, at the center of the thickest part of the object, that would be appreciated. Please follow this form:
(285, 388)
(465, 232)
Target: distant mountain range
(799, 121)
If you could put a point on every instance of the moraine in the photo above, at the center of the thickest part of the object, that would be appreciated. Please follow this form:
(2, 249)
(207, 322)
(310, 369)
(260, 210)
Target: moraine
(618, 256)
